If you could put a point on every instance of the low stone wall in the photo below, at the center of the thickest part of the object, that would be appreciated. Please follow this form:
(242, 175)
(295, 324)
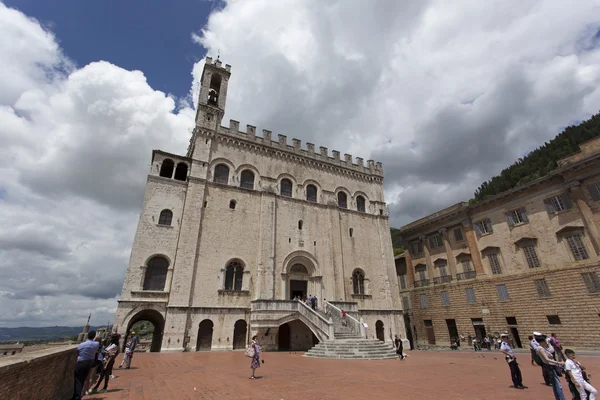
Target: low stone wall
(43, 375)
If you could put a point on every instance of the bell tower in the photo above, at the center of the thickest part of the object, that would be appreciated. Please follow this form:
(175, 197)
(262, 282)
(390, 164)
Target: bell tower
(213, 94)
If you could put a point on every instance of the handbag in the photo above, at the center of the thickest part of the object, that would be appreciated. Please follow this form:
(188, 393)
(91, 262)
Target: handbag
(249, 351)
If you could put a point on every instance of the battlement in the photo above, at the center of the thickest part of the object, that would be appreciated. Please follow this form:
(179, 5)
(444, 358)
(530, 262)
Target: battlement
(372, 167)
(217, 63)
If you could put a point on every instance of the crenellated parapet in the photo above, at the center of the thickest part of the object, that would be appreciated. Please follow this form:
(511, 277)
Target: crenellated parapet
(281, 144)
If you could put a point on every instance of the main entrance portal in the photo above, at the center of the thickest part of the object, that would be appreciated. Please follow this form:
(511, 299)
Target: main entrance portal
(298, 289)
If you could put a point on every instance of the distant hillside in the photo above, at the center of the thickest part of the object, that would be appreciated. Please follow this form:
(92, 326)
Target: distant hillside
(540, 161)
(45, 333)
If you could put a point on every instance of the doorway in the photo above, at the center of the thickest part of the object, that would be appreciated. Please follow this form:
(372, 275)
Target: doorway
(239, 334)
(298, 288)
(479, 328)
(283, 337)
(205, 332)
(452, 331)
(429, 330)
(148, 326)
(379, 330)
(515, 334)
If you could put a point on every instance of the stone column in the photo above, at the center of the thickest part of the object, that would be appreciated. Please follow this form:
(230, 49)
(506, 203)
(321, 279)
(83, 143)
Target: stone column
(449, 253)
(284, 286)
(586, 214)
(471, 238)
(428, 263)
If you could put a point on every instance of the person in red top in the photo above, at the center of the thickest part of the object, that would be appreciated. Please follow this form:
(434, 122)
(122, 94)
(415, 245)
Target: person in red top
(344, 318)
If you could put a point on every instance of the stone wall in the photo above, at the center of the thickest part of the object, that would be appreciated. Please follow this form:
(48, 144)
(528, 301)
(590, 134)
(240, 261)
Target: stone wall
(42, 375)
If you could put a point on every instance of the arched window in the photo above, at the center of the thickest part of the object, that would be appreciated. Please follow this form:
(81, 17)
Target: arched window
(358, 282)
(342, 200)
(311, 193)
(247, 179)
(181, 171)
(222, 174)
(165, 218)
(300, 223)
(234, 276)
(156, 274)
(166, 169)
(232, 204)
(285, 188)
(215, 87)
(360, 204)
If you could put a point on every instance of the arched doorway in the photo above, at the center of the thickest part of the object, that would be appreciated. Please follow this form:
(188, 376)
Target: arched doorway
(205, 332)
(239, 334)
(379, 330)
(298, 281)
(283, 337)
(148, 326)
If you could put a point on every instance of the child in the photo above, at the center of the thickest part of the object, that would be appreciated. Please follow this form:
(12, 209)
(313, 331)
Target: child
(576, 373)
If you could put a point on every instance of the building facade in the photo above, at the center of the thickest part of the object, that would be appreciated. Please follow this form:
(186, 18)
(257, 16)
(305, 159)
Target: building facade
(231, 232)
(525, 260)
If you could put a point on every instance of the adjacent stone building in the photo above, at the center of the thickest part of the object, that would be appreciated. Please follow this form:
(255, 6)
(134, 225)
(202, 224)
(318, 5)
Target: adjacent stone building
(525, 260)
(232, 231)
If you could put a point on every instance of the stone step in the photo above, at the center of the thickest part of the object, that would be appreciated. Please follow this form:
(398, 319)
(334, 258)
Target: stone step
(354, 357)
(372, 354)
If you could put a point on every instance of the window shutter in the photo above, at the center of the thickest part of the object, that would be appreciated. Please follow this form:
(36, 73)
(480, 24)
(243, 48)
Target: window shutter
(509, 219)
(549, 206)
(567, 201)
(477, 229)
(524, 214)
(594, 192)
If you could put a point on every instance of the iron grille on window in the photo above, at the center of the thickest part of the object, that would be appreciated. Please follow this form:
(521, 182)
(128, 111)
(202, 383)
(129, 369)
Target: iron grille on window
(494, 263)
(247, 180)
(311, 193)
(531, 256)
(542, 288)
(165, 218)
(470, 292)
(577, 247)
(286, 188)
(458, 235)
(591, 282)
(445, 298)
(502, 292)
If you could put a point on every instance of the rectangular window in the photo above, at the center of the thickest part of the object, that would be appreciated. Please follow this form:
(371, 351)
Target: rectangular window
(445, 298)
(421, 273)
(502, 292)
(466, 264)
(423, 301)
(517, 216)
(594, 190)
(494, 263)
(402, 281)
(428, 323)
(470, 295)
(531, 256)
(435, 241)
(577, 247)
(511, 320)
(542, 287)
(591, 282)
(458, 235)
(405, 303)
(558, 203)
(442, 269)
(484, 226)
(553, 319)
(417, 247)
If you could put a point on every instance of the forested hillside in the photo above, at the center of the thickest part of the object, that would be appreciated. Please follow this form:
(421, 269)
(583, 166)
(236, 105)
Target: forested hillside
(540, 161)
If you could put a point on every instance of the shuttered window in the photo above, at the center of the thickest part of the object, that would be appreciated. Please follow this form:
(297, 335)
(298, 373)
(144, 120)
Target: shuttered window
(494, 263)
(423, 301)
(542, 287)
(591, 282)
(435, 241)
(531, 256)
(458, 235)
(502, 292)
(517, 216)
(558, 203)
(484, 226)
(577, 247)
(470, 292)
(445, 298)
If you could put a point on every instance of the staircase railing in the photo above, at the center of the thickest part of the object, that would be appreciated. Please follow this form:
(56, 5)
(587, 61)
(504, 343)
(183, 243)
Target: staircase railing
(319, 321)
(356, 326)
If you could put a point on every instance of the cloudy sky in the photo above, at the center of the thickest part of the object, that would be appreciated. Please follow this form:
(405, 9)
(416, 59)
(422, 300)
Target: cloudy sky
(445, 94)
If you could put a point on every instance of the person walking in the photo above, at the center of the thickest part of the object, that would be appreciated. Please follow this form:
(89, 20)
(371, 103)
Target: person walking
(576, 371)
(511, 360)
(558, 352)
(86, 354)
(399, 347)
(255, 362)
(549, 364)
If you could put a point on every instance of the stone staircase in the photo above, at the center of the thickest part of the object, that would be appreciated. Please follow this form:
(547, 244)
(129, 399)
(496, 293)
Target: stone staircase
(347, 343)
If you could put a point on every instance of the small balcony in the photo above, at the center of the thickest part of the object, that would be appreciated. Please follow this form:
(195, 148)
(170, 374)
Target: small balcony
(422, 283)
(466, 275)
(442, 279)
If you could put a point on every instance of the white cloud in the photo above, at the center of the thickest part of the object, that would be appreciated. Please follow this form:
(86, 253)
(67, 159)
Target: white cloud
(446, 95)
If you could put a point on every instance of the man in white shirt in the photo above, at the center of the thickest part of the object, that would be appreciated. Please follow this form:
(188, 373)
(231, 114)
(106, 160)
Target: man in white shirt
(511, 359)
(574, 369)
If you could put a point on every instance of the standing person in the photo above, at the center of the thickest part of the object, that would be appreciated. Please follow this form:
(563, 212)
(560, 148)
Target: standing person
(255, 362)
(399, 347)
(487, 343)
(325, 306)
(511, 359)
(549, 364)
(475, 343)
(86, 354)
(557, 348)
(344, 322)
(532, 345)
(110, 356)
(575, 371)
(134, 341)
(315, 305)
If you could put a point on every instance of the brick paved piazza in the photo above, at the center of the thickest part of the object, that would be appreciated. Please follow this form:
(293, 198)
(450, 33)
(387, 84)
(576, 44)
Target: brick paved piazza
(424, 375)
